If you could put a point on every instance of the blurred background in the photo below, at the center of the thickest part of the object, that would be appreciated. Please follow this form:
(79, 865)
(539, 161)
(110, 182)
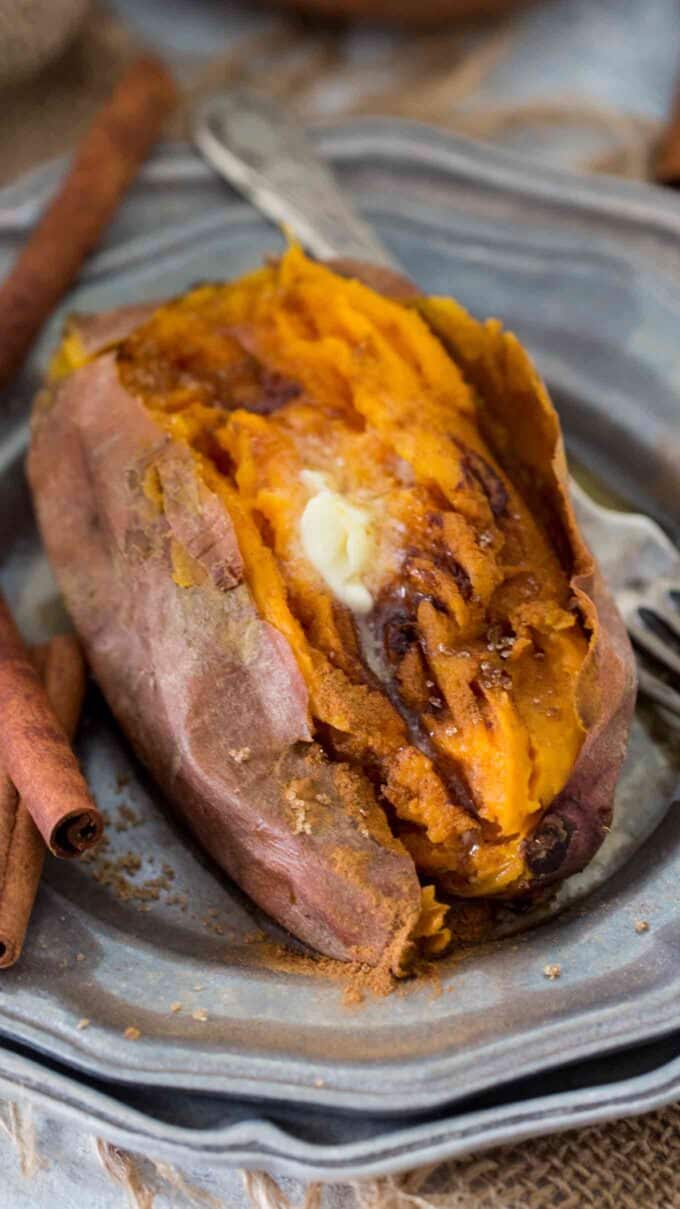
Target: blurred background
(586, 84)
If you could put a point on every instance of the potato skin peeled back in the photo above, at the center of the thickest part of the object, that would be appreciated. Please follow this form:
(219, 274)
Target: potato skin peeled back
(318, 543)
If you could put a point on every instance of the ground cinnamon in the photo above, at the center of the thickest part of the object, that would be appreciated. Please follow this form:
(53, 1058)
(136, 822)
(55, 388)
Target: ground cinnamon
(22, 849)
(104, 165)
(36, 754)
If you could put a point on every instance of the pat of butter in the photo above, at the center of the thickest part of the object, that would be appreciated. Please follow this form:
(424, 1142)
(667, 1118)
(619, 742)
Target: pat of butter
(338, 541)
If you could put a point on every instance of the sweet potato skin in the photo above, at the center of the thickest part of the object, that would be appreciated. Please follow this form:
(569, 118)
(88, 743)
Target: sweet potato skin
(208, 693)
(576, 822)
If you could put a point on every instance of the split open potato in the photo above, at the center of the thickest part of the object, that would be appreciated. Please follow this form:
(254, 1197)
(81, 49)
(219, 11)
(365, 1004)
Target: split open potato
(315, 534)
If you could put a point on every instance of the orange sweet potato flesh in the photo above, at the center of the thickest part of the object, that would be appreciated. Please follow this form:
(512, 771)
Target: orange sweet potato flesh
(464, 730)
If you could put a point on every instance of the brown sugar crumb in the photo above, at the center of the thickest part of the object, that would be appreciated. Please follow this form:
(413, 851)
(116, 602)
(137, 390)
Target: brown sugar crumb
(552, 971)
(178, 900)
(130, 862)
(116, 874)
(131, 1033)
(301, 825)
(298, 807)
(352, 996)
(176, 1006)
(199, 1014)
(95, 854)
(83, 1023)
(212, 925)
(240, 755)
(80, 956)
(641, 925)
(168, 871)
(126, 817)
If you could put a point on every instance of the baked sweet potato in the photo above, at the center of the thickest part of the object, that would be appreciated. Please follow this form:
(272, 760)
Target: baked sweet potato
(319, 546)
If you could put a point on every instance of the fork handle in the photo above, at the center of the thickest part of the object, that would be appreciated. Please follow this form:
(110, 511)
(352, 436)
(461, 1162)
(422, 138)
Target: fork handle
(249, 140)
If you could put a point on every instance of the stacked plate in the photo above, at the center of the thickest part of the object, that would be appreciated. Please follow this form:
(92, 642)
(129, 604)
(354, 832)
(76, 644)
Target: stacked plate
(254, 1066)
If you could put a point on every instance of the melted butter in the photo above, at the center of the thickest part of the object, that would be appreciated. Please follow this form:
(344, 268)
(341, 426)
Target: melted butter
(337, 538)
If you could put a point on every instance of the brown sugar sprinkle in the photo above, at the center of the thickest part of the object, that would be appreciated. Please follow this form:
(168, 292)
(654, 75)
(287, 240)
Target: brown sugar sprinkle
(641, 925)
(359, 982)
(199, 1014)
(176, 1006)
(212, 925)
(552, 971)
(93, 855)
(130, 862)
(168, 871)
(298, 807)
(80, 956)
(240, 755)
(301, 824)
(126, 818)
(352, 996)
(83, 1023)
(113, 873)
(131, 1033)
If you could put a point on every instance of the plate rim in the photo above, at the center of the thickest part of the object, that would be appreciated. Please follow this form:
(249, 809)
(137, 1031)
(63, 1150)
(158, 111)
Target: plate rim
(293, 1085)
(427, 144)
(256, 1141)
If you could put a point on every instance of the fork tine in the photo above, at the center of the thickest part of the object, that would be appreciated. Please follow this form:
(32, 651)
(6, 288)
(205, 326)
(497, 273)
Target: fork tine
(653, 645)
(656, 690)
(670, 618)
(659, 597)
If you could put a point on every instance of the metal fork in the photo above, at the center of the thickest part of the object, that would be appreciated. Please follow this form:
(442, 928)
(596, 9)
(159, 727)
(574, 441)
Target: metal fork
(251, 141)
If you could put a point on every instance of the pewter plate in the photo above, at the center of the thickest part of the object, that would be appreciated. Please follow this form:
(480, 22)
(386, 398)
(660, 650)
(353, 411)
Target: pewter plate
(587, 273)
(218, 1131)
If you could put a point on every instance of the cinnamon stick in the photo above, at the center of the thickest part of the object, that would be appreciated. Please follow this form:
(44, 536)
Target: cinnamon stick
(36, 754)
(22, 850)
(667, 158)
(104, 165)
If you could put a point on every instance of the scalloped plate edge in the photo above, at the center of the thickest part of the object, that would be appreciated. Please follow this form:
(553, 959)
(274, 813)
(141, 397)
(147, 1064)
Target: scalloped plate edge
(255, 1141)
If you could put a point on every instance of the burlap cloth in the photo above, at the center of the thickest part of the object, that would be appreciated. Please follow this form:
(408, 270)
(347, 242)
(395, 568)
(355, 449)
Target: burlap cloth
(632, 1163)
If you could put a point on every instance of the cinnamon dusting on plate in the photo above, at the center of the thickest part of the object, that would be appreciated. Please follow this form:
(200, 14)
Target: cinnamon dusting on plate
(359, 982)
